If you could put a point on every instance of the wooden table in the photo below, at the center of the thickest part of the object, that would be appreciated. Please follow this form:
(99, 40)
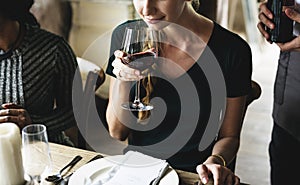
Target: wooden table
(61, 155)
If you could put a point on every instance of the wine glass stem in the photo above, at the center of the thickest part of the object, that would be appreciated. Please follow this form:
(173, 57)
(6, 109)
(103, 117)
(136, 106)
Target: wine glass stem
(34, 180)
(137, 92)
(37, 180)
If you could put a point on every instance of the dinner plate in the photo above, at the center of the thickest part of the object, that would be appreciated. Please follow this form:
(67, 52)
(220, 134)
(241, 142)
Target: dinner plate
(97, 169)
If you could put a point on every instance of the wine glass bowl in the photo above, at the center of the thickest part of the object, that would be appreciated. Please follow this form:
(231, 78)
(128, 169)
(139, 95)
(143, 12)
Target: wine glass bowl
(141, 61)
(141, 46)
(35, 151)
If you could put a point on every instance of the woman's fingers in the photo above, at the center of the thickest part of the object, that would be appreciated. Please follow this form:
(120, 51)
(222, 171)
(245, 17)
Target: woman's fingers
(119, 54)
(221, 175)
(229, 180)
(122, 75)
(236, 180)
(203, 172)
(123, 72)
(218, 174)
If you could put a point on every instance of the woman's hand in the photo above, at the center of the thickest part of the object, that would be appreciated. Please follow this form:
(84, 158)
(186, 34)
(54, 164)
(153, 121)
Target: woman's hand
(122, 71)
(14, 113)
(220, 174)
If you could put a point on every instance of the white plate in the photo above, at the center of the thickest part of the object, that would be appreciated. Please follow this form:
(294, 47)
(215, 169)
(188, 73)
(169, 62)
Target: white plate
(96, 169)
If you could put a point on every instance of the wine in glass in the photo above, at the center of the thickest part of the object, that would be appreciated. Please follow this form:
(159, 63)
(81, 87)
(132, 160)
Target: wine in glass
(141, 46)
(35, 151)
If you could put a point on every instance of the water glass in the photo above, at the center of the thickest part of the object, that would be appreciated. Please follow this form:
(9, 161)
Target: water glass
(35, 151)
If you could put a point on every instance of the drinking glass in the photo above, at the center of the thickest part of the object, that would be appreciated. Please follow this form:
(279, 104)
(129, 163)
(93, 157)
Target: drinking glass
(35, 151)
(141, 46)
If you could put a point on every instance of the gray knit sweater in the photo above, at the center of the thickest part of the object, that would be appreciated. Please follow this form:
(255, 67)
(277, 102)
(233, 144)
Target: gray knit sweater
(38, 76)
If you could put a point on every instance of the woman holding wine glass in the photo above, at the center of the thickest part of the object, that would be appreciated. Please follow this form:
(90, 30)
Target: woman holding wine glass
(188, 43)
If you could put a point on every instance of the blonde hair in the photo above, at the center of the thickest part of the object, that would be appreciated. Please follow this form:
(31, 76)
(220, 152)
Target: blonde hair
(148, 84)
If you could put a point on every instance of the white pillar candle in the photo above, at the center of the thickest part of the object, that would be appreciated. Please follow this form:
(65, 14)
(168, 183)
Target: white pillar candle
(11, 167)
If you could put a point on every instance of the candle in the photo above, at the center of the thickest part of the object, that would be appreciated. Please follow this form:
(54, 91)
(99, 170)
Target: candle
(11, 168)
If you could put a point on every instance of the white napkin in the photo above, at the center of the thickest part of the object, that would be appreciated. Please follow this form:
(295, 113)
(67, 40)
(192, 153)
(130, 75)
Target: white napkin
(134, 169)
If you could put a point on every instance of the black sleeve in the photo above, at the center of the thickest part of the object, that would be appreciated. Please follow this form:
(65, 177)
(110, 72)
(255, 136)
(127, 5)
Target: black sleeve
(62, 117)
(235, 59)
(239, 76)
(115, 44)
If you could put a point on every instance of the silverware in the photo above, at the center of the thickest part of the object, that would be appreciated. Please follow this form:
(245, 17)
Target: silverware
(65, 180)
(56, 177)
(161, 173)
(94, 158)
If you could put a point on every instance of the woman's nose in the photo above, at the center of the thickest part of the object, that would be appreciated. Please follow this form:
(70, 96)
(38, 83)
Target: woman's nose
(148, 7)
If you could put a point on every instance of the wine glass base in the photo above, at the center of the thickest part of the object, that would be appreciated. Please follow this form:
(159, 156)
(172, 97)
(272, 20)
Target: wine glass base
(31, 182)
(136, 106)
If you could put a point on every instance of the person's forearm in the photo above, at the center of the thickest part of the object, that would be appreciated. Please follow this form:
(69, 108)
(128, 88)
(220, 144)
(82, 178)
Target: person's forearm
(227, 148)
(117, 117)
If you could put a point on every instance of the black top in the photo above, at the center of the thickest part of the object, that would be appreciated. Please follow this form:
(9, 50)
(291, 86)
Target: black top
(173, 120)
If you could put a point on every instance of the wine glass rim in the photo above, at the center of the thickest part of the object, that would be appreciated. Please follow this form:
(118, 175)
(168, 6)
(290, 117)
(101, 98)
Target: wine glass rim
(43, 129)
(141, 28)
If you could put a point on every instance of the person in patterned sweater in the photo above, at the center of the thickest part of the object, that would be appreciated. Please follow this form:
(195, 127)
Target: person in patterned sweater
(36, 73)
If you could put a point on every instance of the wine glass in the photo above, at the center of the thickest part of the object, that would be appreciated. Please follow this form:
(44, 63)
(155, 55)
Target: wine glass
(141, 46)
(35, 151)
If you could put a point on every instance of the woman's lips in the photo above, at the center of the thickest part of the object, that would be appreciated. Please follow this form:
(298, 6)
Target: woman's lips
(152, 21)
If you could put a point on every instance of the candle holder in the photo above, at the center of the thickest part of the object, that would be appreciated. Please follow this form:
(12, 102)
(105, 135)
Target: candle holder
(11, 168)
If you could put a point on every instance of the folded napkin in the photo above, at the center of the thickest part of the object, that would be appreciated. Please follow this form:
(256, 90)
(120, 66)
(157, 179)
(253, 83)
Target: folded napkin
(134, 168)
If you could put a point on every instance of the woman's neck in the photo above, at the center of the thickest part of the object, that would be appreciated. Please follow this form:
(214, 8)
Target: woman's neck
(9, 32)
(184, 42)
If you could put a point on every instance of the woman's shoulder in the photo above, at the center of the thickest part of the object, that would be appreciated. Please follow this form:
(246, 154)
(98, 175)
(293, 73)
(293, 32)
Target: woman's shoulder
(227, 39)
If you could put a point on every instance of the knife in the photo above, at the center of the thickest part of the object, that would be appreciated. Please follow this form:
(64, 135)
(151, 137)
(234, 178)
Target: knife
(161, 173)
